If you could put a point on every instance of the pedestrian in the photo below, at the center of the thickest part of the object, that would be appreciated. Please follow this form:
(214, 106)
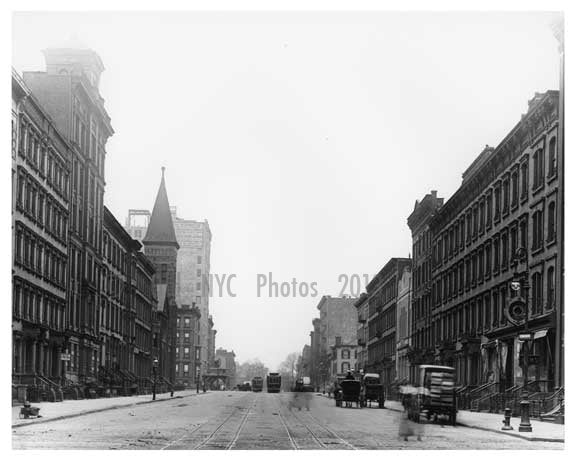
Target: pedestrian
(408, 428)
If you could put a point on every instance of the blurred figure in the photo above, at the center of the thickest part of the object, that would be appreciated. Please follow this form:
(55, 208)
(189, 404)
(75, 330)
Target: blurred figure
(408, 428)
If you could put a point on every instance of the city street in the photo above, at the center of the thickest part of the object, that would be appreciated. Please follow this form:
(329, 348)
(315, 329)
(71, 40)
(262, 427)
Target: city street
(245, 420)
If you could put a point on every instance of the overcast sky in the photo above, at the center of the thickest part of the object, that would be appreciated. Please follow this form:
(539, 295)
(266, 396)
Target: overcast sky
(303, 138)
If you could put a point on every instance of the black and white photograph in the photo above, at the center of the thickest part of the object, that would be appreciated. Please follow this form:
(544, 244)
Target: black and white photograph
(286, 229)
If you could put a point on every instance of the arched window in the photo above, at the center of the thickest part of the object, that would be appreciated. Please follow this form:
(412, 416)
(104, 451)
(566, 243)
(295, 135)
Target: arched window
(550, 288)
(551, 222)
(552, 157)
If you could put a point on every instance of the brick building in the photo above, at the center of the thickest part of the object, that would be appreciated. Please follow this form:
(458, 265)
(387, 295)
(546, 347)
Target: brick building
(161, 247)
(382, 292)
(509, 199)
(404, 325)
(126, 310)
(338, 324)
(68, 91)
(362, 333)
(421, 349)
(40, 203)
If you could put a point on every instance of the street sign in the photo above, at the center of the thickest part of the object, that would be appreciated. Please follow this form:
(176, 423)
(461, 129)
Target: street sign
(65, 357)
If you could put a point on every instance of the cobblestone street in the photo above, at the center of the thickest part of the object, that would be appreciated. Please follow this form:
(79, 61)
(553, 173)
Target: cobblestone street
(239, 420)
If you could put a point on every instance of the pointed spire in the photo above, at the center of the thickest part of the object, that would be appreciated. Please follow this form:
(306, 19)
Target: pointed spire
(161, 228)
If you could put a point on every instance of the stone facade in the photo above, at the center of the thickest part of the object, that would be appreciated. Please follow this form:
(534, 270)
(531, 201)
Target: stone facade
(362, 334)
(509, 199)
(343, 359)
(403, 325)
(421, 349)
(192, 282)
(161, 247)
(68, 91)
(40, 204)
(382, 294)
(338, 324)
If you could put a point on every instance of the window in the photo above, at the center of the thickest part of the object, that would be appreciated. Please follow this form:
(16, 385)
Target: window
(345, 353)
(538, 163)
(524, 180)
(551, 222)
(489, 210)
(495, 309)
(552, 163)
(497, 201)
(506, 196)
(514, 189)
(186, 321)
(537, 230)
(199, 259)
(186, 352)
(496, 254)
(345, 367)
(177, 369)
(537, 293)
(505, 251)
(186, 369)
(550, 289)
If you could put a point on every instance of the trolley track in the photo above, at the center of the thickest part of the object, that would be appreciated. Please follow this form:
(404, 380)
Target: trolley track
(214, 432)
(320, 440)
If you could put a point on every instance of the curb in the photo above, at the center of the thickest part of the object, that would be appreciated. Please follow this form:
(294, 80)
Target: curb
(97, 410)
(497, 431)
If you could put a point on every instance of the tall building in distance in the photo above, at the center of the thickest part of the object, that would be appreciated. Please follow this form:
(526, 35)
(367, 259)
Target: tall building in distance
(337, 326)
(192, 291)
(69, 93)
(161, 248)
(192, 276)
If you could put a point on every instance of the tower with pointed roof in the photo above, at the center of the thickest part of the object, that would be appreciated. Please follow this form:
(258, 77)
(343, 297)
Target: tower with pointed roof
(161, 248)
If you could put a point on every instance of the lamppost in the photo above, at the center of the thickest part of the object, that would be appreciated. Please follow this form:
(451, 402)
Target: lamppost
(518, 311)
(154, 373)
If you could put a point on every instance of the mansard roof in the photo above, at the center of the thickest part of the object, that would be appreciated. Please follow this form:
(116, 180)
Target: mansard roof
(161, 228)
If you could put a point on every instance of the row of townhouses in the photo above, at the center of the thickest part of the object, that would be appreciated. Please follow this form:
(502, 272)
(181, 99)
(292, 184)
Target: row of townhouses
(449, 303)
(98, 309)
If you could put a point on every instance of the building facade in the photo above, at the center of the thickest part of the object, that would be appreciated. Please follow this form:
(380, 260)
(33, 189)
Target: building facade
(404, 325)
(192, 282)
(40, 204)
(338, 324)
(161, 248)
(362, 333)
(382, 292)
(226, 364)
(69, 93)
(316, 366)
(508, 200)
(126, 309)
(192, 287)
(343, 359)
(421, 350)
(187, 348)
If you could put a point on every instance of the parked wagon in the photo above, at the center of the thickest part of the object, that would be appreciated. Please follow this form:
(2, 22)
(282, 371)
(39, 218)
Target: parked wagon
(348, 393)
(372, 390)
(435, 394)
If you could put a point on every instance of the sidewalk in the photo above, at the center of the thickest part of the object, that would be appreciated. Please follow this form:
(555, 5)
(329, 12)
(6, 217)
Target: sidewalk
(541, 431)
(52, 411)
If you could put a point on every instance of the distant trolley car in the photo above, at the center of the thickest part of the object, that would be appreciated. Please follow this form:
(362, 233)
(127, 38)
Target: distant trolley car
(273, 383)
(257, 384)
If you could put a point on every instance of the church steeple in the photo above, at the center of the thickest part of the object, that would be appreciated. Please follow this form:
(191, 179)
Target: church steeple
(161, 228)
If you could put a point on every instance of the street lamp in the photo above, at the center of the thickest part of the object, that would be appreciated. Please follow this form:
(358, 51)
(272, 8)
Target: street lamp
(154, 373)
(518, 309)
